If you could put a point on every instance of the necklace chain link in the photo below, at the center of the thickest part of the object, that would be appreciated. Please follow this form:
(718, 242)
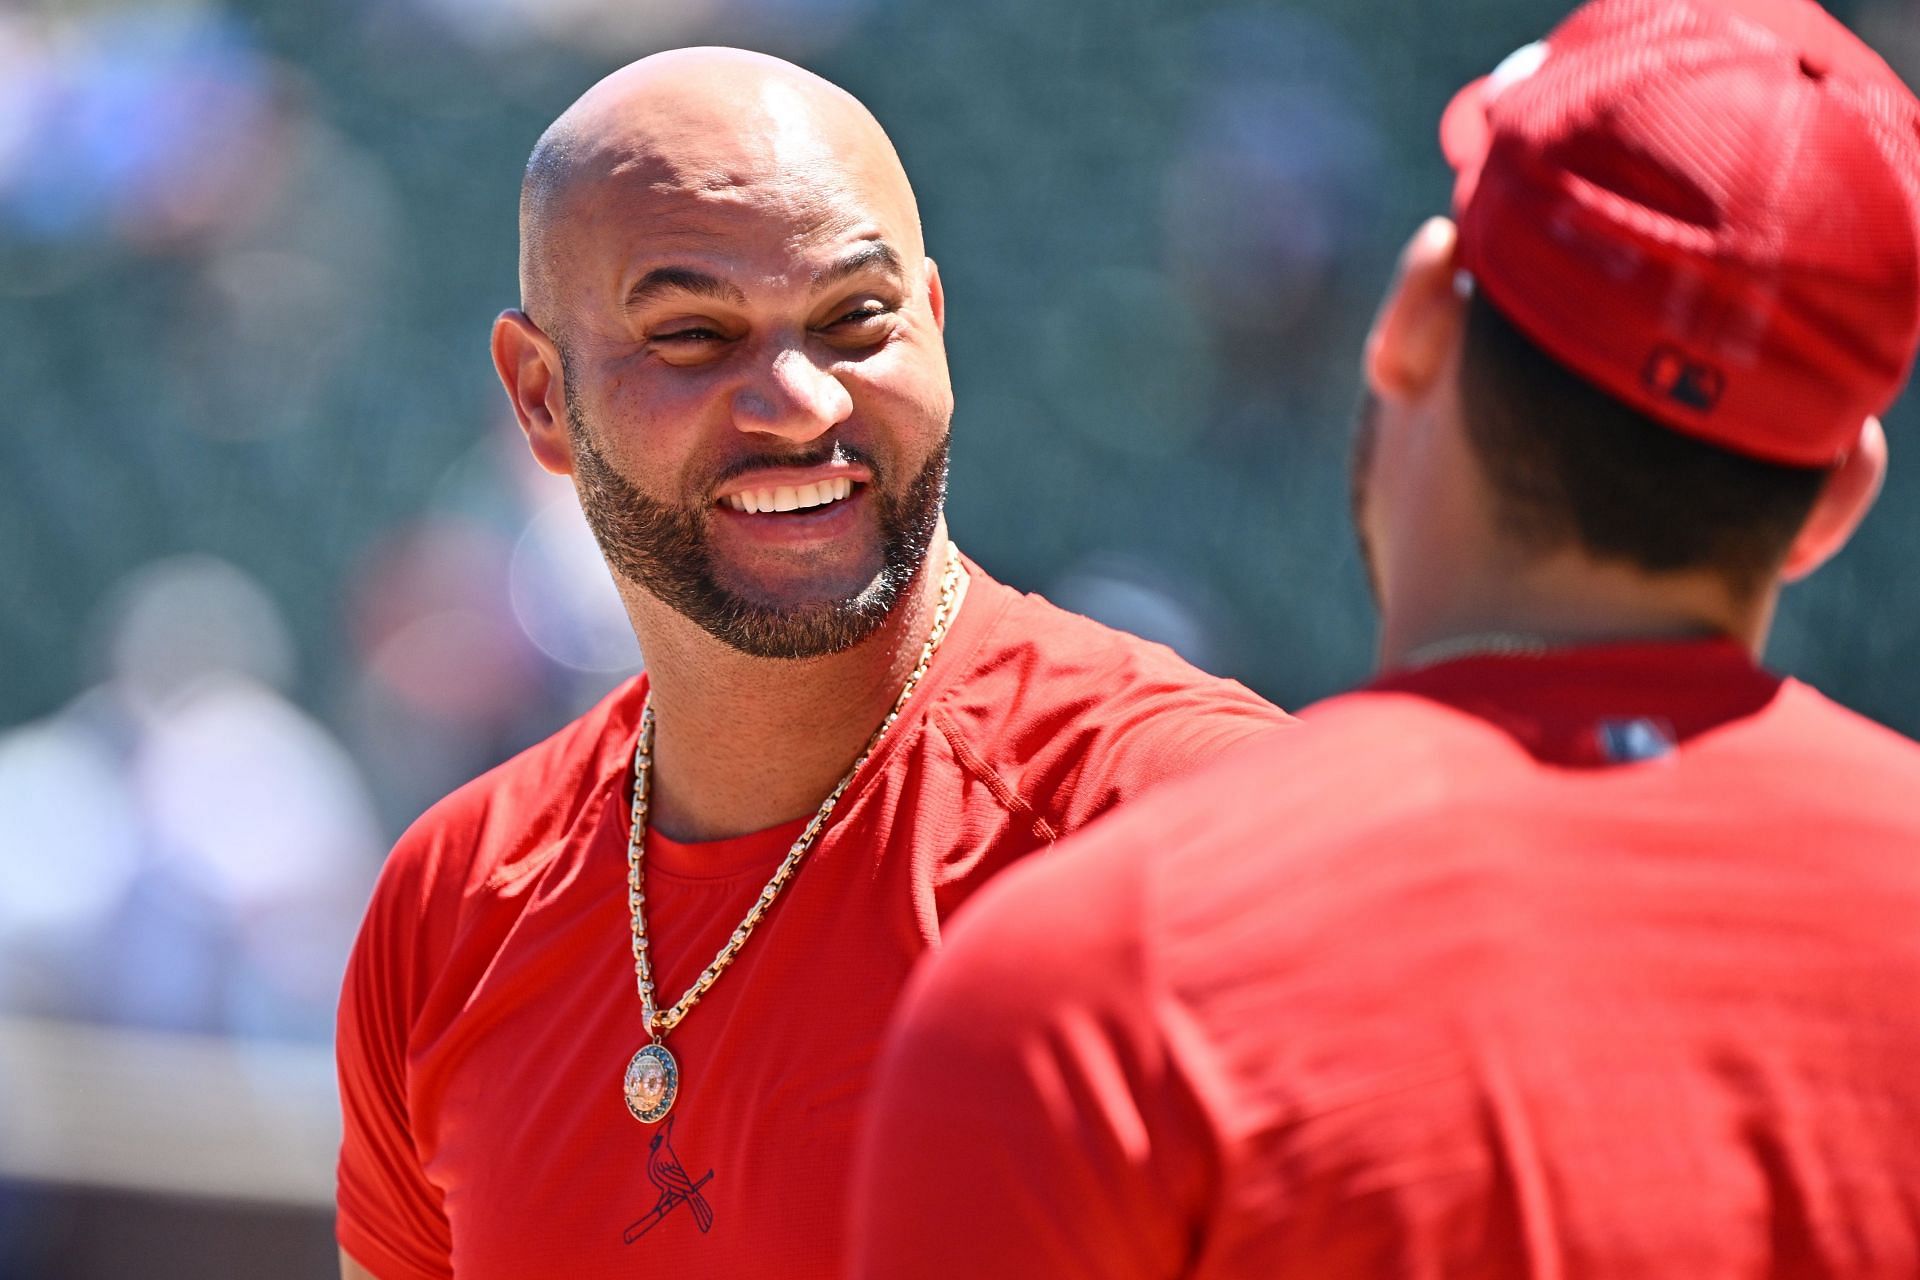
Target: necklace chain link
(660, 1021)
(1502, 644)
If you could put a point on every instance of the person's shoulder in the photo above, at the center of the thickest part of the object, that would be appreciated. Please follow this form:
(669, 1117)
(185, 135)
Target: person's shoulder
(1845, 728)
(1086, 714)
(1063, 655)
(514, 813)
(455, 884)
(1808, 730)
(1044, 937)
(1347, 748)
(1358, 765)
(1279, 818)
(1368, 732)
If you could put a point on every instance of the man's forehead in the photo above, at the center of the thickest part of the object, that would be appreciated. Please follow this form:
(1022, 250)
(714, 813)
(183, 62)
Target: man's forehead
(802, 216)
(686, 190)
(771, 130)
(687, 181)
(700, 151)
(808, 224)
(746, 121)
(670, 156)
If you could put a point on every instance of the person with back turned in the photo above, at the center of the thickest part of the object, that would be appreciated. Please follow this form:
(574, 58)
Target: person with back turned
(1577, 944)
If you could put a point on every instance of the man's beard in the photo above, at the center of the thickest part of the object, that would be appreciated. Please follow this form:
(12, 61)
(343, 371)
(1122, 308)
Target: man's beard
(1366, 435)
(668, 551)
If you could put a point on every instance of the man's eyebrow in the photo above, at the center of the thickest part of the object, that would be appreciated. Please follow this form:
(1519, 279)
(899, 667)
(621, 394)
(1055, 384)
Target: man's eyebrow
(870, 254)
(662, 281)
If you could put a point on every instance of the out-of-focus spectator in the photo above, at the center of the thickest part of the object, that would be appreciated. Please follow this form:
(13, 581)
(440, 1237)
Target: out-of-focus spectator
(152, 125)
(1270, 204)
(620, 27)
(476, 628)
(1137, 595)
(186, 848)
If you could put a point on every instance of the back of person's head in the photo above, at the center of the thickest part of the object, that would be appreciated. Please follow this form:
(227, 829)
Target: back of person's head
(1693, 231)
(1570, 466)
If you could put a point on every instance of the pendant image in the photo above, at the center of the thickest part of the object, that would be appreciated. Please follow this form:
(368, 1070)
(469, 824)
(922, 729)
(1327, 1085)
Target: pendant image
(652, 1083)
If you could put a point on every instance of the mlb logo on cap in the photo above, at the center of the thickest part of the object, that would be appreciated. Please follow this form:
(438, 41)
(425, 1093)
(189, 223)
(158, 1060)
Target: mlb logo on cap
(1684, 381)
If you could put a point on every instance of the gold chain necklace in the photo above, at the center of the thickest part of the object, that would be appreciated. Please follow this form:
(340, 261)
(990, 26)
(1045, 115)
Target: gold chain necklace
(653, 1077)
(1501, 644)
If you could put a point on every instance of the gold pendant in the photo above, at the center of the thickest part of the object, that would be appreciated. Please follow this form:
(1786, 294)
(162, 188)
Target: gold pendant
(653, 1081)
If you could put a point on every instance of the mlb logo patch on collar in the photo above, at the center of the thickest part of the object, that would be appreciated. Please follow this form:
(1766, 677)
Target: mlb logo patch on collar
(1633, 740)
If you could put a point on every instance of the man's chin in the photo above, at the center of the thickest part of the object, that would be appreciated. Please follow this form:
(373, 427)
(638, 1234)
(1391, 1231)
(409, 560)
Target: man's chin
(802, 610)
(814, 629)
(801, 587)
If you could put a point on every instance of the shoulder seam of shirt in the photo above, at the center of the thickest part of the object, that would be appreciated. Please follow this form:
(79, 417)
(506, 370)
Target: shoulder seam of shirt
(973, 763)
(511, 874)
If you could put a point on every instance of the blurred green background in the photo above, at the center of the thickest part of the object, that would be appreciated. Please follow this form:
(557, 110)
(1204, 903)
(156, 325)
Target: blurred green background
(278, 573)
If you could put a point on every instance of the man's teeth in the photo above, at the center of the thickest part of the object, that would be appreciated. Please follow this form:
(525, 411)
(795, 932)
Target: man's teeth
(791, 497)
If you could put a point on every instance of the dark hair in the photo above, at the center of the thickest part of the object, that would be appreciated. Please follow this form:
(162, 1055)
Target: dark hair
(1569, 465)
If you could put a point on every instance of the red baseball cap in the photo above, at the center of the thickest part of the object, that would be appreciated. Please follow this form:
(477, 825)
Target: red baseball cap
(1708, 208)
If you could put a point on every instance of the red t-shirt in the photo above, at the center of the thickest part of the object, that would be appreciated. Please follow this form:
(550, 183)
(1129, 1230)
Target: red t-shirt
(1604, 963)
(489, 1008)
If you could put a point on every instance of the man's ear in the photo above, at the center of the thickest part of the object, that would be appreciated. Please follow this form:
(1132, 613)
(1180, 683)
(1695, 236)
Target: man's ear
(936, 295)
(1420, 319)
(528, 363)
(1844, 501)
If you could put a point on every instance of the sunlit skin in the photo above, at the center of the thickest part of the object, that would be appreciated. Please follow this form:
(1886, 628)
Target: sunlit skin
(1442, 570)
(732, 262)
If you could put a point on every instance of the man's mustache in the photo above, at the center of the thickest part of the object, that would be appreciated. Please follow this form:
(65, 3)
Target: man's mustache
(825, 453)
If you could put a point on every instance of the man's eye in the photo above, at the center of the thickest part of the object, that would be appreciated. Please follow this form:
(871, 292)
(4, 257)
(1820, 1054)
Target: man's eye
(862, 316)
(695, 333)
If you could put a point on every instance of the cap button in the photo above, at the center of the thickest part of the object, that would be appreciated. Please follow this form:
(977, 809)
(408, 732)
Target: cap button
(1813, 66)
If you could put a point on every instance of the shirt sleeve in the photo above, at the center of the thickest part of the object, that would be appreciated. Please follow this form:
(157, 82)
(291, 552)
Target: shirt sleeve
(1029, 1118)
(1130, 726)
(391, 1218)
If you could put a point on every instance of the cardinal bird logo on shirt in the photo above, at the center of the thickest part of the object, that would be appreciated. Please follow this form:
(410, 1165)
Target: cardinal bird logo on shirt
(676, 1188)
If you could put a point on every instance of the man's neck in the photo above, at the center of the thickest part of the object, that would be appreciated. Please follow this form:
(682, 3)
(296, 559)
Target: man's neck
(1564, 601)
(744, 743)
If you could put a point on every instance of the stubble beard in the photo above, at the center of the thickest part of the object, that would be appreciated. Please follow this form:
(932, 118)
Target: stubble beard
(667, 551)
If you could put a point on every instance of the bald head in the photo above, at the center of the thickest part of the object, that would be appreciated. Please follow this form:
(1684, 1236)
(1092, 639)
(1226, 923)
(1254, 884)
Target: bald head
(709, 124)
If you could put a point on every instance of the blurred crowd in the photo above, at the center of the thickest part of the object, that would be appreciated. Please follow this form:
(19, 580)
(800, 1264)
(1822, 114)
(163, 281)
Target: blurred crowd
(190, 849)
(280, 573)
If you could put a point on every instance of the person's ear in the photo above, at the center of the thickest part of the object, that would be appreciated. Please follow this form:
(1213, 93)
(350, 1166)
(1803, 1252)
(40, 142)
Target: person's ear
(1421, 317)
(1845, 498)
(529, 366)
(936, 296)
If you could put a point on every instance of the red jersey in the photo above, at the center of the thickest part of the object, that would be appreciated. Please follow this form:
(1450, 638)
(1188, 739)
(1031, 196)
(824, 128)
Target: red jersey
(489, 1007)
(1604, 963)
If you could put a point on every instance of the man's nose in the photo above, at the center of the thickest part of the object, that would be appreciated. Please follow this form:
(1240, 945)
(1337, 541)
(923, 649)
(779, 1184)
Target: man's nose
(791, 397)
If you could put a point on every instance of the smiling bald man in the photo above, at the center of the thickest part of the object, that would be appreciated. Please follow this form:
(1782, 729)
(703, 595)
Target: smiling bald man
(615, 1004)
